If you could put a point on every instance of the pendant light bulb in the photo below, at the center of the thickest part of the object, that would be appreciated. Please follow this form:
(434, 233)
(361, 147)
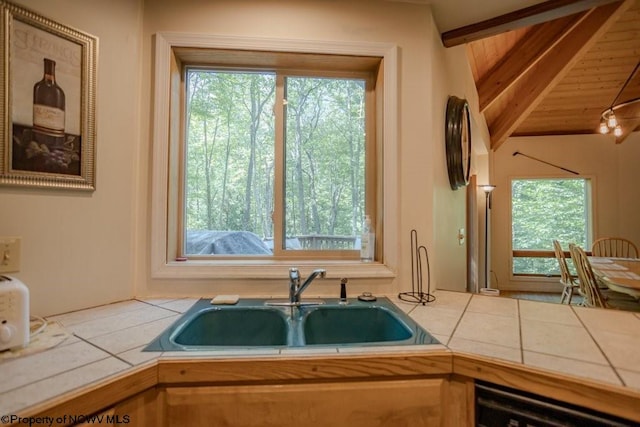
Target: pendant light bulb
(604, 129)
(617, 131)
(612, 122)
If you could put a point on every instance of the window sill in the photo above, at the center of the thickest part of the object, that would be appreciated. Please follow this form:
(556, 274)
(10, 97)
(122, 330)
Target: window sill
(259, 269)
(537, 279)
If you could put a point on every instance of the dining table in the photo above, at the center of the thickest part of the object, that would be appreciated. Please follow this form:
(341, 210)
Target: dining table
(618, 274)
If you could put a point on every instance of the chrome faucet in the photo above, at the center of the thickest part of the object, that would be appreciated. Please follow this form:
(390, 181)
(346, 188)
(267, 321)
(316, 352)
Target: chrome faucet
(295, 288)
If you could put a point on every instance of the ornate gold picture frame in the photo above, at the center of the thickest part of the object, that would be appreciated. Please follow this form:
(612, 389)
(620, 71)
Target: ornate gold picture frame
(48, 86)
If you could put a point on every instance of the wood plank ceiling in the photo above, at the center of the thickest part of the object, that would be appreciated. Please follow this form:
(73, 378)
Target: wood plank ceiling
(557, 76)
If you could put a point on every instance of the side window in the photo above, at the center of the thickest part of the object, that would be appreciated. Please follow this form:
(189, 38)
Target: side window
(325, 164)
(543, 210)
(229, 162)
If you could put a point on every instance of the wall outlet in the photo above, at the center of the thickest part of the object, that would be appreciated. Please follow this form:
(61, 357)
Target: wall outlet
(9, 254)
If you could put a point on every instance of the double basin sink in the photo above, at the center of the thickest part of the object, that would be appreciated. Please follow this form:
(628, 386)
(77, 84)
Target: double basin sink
(259, 323)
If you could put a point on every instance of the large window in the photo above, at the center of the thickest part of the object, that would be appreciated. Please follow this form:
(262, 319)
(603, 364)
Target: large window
(543, 210)
(286, 150)
(245, 129)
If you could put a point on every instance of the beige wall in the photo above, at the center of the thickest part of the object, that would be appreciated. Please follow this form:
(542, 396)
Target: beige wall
(452, 76)
(81, 250)
(628, 190)
(77, 248)
(616, 193)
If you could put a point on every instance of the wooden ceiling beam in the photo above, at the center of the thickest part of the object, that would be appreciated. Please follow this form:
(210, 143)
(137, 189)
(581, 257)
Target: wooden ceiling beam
(629, 119)
(550, 69)
(521, 57)
(632, 126)
(536, 14)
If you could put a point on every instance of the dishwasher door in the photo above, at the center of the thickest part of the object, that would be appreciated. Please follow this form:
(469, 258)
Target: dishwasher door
(498, 406)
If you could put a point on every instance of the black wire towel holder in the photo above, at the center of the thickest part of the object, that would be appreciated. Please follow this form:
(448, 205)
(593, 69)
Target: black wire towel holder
(417, 295)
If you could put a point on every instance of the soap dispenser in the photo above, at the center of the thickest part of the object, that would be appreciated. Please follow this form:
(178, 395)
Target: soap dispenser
(367, 241)
(343, 291)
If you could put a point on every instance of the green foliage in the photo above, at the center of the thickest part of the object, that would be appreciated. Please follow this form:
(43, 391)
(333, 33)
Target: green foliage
(230, 155)
(543, 210)
(324, 156)
(229, 126)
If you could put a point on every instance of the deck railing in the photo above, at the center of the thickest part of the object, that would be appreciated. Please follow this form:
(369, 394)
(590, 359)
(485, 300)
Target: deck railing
(324, 242)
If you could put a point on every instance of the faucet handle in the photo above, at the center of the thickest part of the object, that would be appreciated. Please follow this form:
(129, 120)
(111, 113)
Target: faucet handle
(294, 275)
(320, 272)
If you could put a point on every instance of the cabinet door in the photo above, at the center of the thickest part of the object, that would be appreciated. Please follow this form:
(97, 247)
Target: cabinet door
(353, 404)
(459, 403)
(143, 409)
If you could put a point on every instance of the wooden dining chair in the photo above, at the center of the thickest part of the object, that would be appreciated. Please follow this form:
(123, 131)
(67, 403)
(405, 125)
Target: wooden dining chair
(592, 297)
(570, 283)
(614, 247)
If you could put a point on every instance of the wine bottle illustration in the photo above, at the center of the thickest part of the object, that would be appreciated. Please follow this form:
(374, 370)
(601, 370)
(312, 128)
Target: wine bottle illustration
(48, 107)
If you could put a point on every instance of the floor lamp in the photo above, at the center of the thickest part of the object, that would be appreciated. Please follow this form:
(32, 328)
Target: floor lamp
(487, 289)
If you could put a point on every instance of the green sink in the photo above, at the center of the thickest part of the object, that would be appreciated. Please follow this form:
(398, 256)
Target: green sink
(355, 324)
(234, 327)
(259, 323)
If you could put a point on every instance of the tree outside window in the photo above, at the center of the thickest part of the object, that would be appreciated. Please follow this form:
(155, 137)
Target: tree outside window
(232, 190)
(543, 210)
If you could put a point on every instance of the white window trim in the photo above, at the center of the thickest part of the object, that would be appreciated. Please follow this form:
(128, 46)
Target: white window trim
(164, 268)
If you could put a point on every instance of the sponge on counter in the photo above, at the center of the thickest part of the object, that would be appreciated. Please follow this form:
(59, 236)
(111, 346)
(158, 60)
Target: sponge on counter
(225, 299)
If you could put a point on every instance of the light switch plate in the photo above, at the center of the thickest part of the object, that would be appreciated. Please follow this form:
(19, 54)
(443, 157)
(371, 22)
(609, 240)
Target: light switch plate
(9, 254)
(461, 236)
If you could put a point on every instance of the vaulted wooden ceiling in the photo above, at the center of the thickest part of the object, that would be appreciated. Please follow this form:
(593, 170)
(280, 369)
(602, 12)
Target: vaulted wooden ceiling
(553, 68)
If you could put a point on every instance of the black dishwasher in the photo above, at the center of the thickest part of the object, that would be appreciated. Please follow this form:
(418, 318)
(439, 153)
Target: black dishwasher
(498, 406)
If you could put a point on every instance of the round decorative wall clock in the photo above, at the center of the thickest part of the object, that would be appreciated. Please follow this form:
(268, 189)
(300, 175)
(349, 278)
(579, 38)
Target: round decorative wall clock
(458, 141)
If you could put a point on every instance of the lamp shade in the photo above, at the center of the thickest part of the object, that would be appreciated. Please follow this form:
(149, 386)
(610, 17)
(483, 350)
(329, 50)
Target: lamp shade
(487, 188)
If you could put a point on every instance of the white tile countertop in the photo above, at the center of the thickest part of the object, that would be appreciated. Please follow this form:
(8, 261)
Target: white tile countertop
(602, 345)
(593, 343)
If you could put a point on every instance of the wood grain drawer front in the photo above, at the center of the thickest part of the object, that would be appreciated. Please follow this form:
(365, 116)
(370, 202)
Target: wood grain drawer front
(353, 404)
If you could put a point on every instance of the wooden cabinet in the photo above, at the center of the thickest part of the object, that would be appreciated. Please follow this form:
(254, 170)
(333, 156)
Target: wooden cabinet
(143, 409)
(355, 404)
(412, 402)
(459, 402)
(389, 390)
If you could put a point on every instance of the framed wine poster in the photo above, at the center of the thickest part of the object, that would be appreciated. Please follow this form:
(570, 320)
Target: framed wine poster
(48, 83)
